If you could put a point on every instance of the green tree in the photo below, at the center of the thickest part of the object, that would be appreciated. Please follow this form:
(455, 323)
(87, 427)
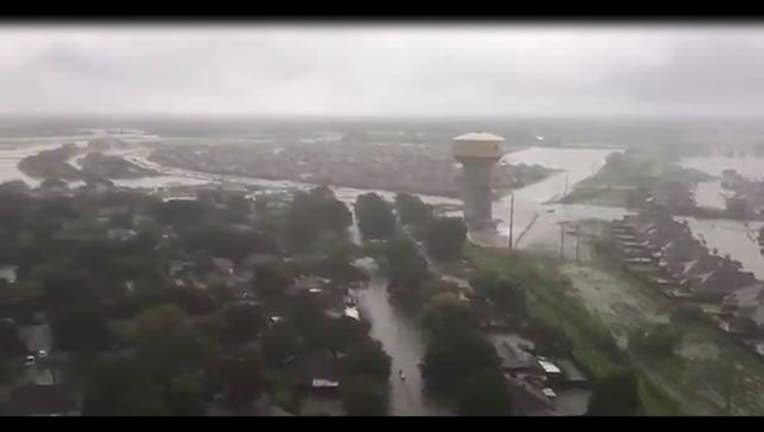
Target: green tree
(310, 213)
(244, 379)
(615, 395)
(118, 387)
(242, 322)
(406, 268)
(280, 342)
(364, 395)
(81, 327)
(508, 296)
(451, 357)
(412, 210)
(272, 279)
(375, 217)
(367, 357)
(483, 393)
(444, 237)
(445, 312)
(184, 395)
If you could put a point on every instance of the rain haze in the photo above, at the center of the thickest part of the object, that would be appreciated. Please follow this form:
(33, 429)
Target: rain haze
(412, 219)
(404, 70)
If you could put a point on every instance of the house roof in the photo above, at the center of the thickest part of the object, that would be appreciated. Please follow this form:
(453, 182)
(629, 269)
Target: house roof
(513, 357)
(33, 399)
(478, 136)
(319, 366)
(747, 296)
(525, 399)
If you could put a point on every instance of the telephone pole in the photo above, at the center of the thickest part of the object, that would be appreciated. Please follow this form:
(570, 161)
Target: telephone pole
(566, 185)
(511, 217)
(578, 231)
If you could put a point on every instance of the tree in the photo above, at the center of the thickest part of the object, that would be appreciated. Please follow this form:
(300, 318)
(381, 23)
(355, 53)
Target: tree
(367, 357)
(222, 241)
(167, 342)
(508, 296)
(80, 327)
(180, 213)
(244, 379)
(412, 210)
(406, 267)
(451, 357)
(364, 395)
(310, 213)
(272, 279)
(616, 394)
(280, 342)
(184, 395)
(241, 322)
(445, 312)
(118, 387)
(375, 217)
(444, 237)
(483, 393)
(549, 340)
(658, 341)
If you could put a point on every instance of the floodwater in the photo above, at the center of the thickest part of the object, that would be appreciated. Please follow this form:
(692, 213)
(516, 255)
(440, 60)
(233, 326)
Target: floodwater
(534, 217)
(734, 238)
(401, 338)
(749, 166)
(710, 194)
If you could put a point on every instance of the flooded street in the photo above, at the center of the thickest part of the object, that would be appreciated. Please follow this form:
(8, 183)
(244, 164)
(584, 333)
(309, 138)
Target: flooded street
(401, 338)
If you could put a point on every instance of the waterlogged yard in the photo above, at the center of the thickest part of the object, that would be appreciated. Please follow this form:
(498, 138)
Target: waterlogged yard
(709, 372)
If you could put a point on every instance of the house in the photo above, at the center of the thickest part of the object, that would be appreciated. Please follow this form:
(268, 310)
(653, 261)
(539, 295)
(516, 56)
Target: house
(308, 284)
(43, 400)
(8, 273)
(352, 313)
(178, 267)
(11, 343)
(319, 371)
(223, 265)
(121, 234)
(751, 295)
(527, 400)
(514, 359)
(720, 282)
(742, 310)
(484, 314)
(256, 261)
(676, 196)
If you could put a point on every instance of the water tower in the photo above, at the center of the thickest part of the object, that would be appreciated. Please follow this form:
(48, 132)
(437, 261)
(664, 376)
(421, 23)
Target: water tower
(478, 152)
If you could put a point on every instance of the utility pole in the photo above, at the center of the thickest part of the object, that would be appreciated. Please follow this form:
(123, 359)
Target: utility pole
(578, 232)
(732, 384)
(566, 184)
(562, 241)
(511, 217)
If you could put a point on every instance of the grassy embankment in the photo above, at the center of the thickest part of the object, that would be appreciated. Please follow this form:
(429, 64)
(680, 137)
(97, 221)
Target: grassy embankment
(549, 300)
(704, 369)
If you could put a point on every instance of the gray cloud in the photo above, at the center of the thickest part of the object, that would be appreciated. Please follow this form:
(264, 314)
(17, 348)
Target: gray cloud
(382, 70)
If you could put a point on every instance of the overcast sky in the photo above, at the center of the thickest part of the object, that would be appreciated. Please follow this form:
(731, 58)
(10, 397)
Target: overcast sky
(394, 71)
